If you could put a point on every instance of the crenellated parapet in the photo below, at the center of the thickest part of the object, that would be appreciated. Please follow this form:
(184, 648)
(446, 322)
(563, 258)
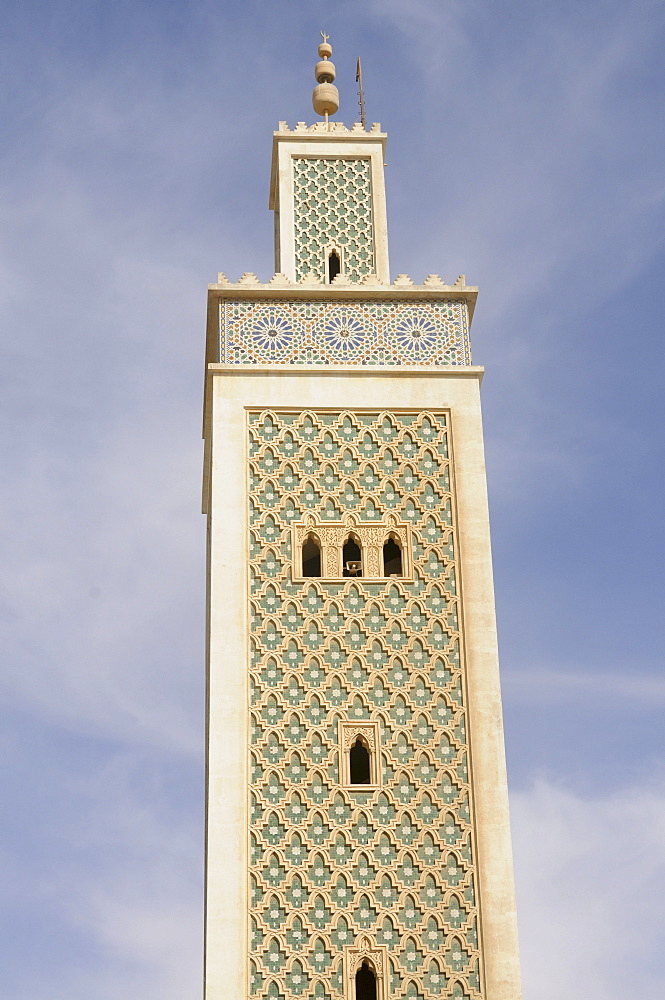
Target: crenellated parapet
(337, 128)
(310, 281)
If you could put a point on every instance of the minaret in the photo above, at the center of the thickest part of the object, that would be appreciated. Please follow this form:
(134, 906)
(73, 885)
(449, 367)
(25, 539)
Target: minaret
(358, 841)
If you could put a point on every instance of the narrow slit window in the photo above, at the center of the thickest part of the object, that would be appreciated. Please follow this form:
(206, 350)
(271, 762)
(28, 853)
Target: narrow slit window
(392, 558)
(334, 265)
(352, 558)
(365, 983)
(360, 769)
(311, 557)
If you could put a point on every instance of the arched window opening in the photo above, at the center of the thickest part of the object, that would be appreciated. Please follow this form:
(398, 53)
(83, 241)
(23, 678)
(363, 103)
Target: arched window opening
(334, 265)
(360, 763)
(392, 558)
(352, 558)
(311, 557)
(365, 983)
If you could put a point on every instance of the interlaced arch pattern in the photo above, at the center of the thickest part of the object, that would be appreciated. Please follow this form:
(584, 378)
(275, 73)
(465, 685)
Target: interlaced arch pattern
(341, 871)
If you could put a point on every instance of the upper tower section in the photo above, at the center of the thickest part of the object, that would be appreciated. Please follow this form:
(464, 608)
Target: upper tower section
(331, 301)
(328, 193)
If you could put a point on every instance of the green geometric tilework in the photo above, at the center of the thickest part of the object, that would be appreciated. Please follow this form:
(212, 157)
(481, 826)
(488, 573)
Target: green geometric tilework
(328, 862)
(315, 332)
(332, 204)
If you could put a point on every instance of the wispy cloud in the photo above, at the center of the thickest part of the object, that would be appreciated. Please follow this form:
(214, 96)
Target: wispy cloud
(629, 687)
(111, 889)
(591, 882)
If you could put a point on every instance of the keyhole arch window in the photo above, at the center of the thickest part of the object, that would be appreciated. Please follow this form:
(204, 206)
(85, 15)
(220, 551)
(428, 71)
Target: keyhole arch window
(334, 262)
(365, 984)
(360, 763)
(365, 970)
(334, 265)
(393, 556)
(360, 754)
(352, 555)
(311, 556)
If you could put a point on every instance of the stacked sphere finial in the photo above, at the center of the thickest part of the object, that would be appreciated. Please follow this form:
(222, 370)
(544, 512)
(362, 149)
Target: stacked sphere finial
(326, 96)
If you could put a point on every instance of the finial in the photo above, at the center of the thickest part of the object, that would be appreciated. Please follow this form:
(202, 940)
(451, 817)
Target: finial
(326, 96)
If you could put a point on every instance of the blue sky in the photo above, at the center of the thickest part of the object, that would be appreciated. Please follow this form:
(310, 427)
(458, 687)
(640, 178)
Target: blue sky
(526, 150)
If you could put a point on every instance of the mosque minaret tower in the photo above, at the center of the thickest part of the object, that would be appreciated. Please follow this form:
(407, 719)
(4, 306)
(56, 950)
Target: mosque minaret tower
(358, 842)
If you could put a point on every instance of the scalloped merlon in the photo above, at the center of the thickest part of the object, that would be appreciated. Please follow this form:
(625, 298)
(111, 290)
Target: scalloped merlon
(310, 279)
(249, 278)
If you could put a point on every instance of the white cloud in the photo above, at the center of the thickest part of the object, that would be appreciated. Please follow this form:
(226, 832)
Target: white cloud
(553, 686)
(591, 887)
(550, 165)
(115, 585)
(123, 899)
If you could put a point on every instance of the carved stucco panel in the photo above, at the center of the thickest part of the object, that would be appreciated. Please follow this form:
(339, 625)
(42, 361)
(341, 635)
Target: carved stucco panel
(329, 864)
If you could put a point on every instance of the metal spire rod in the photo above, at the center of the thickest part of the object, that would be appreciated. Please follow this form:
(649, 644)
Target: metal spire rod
(361, 94)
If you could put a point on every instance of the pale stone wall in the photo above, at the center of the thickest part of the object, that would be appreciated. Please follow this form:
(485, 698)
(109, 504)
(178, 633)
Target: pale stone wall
(478, 842)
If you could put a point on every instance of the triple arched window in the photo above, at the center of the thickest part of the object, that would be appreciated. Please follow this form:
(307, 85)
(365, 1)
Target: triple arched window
(363, 551)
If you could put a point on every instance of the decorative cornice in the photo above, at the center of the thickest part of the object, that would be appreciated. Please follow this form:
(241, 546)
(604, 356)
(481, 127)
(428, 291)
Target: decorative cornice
(330, 129)
(370, 290)
(370, 285)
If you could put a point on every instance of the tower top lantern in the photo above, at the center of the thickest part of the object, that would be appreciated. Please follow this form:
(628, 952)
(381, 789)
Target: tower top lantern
(325, 97)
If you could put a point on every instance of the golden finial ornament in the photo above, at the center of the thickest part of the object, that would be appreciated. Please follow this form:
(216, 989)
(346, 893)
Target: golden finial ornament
(325, 98)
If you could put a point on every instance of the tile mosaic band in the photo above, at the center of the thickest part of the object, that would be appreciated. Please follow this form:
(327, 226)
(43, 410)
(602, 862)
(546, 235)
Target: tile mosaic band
(423, 333)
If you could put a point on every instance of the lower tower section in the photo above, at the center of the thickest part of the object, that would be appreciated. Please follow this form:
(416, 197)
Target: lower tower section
(358, 840)
(358, 866)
